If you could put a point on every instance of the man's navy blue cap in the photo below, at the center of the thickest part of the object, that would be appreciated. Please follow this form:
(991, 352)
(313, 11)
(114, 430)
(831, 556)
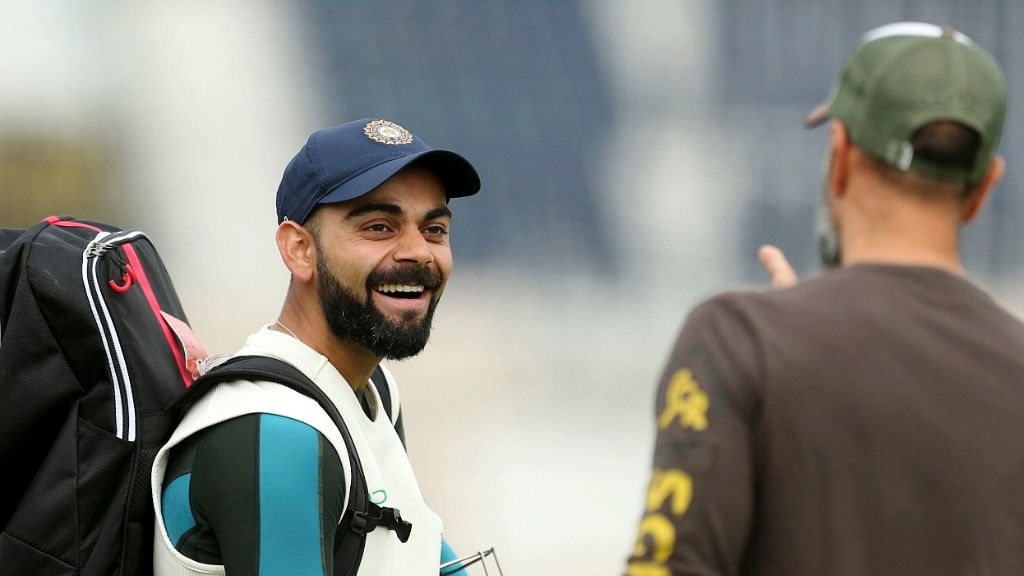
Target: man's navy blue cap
(347, 161)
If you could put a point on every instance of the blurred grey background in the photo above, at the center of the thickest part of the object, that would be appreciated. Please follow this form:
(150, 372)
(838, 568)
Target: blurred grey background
(633, 154)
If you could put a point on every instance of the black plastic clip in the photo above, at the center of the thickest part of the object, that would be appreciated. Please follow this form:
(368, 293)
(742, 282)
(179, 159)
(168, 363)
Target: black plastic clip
(390, 518)
(401, 527)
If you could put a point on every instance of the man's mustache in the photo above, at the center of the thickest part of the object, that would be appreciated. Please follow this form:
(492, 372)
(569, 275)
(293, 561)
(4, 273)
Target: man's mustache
(404, 275)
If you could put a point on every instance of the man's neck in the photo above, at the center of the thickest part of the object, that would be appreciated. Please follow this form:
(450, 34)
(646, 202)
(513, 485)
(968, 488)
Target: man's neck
(354, 362)
(899, 256)
(905, 245)
(901, 229)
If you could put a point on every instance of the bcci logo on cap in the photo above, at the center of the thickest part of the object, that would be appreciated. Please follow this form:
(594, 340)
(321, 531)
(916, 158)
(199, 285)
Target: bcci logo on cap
(387, 132)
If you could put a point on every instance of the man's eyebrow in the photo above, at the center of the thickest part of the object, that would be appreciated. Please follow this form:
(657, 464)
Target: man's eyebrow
(439, 212)
(374, 207)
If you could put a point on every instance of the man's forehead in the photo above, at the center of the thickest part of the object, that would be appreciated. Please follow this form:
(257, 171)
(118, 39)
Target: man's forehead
(418, 203)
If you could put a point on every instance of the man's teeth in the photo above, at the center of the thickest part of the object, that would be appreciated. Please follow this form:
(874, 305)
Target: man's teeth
(399, 288)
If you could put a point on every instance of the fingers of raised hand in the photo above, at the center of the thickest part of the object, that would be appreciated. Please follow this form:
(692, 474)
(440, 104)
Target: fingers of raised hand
(778, 268)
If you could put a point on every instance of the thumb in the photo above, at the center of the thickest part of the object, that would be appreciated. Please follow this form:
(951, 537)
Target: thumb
(779, 269)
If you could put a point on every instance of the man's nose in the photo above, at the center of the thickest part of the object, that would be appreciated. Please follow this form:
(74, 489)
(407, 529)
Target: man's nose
(413, 247)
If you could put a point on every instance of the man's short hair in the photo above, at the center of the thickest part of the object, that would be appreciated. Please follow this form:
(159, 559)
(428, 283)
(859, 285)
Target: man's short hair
(941, 143)
(946, 143)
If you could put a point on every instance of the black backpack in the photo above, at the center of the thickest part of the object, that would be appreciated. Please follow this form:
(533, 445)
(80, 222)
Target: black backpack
(89, 373)
(93, 378)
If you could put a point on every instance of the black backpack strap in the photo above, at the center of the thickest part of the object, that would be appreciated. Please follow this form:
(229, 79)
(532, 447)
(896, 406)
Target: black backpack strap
(380, 382)
(361, 516)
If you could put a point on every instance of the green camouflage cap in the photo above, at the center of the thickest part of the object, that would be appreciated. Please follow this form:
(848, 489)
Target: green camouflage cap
(906, 75)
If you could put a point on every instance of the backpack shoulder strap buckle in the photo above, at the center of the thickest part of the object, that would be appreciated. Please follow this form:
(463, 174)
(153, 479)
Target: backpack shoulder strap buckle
(390, 518)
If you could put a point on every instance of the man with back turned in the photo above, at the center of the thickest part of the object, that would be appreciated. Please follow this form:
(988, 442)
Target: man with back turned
(867, 421)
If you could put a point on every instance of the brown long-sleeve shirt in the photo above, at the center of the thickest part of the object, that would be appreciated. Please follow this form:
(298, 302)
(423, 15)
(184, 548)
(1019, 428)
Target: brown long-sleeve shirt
(867, 422)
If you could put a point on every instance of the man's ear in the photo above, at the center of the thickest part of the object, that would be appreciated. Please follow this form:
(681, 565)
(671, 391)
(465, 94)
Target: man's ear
(839, 139)
(298, 250)
(977, 196)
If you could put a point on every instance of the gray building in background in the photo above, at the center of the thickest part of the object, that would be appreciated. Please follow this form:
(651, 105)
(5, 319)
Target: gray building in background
(517, 86)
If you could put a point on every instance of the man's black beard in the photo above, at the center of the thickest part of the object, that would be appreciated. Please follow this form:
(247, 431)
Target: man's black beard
(825, 229)
(363, 323)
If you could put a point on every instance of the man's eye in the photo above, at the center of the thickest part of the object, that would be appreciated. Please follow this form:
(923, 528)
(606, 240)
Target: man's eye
(379, 227)
(437, 230)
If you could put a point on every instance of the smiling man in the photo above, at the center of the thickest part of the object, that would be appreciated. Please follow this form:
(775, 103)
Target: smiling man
(256, 478)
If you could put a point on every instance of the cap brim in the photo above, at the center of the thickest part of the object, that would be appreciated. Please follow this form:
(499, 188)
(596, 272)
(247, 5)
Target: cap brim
(455, 172)
(818, 115)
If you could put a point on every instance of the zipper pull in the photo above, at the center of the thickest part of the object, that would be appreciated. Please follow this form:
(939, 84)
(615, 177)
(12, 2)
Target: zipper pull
(127, 274)
(127, 279)
(204, 365)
